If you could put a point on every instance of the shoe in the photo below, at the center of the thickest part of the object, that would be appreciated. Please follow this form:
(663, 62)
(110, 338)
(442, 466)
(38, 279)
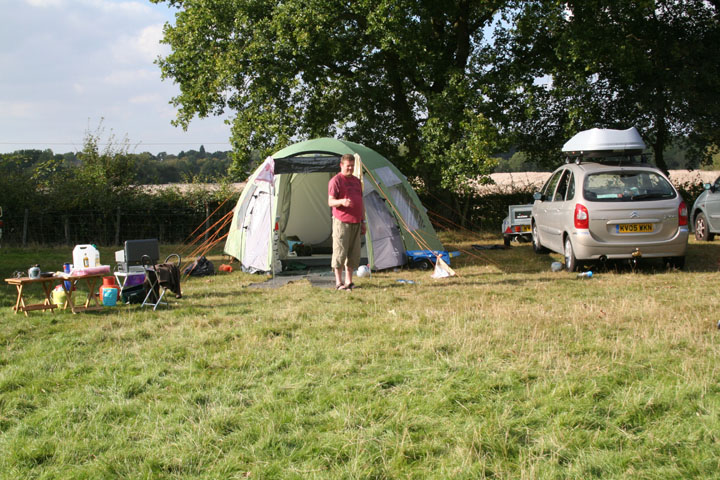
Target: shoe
(350, 286)
(340, 286)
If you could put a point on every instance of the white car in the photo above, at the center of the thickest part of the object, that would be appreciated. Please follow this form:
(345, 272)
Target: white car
(605, 205)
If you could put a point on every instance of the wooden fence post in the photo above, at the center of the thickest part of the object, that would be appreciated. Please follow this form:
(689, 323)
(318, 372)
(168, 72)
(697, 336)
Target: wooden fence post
(25, 226)
(117, 227)
(207, 220)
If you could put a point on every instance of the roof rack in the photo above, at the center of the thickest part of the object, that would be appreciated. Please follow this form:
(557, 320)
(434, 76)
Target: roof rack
(619, 160)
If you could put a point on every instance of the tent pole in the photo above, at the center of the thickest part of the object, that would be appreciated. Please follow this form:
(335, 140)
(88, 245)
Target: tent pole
(274, 232)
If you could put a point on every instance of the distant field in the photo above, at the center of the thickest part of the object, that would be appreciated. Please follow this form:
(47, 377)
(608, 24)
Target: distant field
(506, 371)
(510, 181)
(504, 182)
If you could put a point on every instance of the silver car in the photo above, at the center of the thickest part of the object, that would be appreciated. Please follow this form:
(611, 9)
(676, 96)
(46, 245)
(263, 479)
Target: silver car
(609, 209)
(706, 212)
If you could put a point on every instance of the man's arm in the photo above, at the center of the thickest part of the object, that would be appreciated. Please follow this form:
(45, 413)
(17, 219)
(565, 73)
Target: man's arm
(338, 202)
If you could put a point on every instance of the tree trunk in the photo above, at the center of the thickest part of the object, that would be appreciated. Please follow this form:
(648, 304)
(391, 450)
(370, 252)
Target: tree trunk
(660, 143)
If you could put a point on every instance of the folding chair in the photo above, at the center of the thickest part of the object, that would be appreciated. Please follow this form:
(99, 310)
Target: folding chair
(160, 278)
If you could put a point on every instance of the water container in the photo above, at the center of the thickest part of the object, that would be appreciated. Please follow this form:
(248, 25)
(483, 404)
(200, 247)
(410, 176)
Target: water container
(85, 256)
(59, 296)
(109, 296)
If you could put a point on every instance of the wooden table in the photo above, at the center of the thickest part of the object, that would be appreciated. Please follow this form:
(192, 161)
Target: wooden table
(20, 283)
(91, 303)
(92, 283)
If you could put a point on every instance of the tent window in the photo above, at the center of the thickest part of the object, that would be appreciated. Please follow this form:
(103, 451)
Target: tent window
(308, 164)
(368, 186)
(407, 210)
(387, 176)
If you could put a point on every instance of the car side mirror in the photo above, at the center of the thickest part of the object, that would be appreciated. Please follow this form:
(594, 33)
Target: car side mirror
(538, 196)
(709, 186)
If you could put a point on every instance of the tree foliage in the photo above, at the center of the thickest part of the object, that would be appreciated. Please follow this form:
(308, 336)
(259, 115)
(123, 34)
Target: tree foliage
(420, 81)
(405, 77)
(573, 65)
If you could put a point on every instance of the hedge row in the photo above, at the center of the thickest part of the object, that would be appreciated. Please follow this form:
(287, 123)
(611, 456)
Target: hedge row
(172, 216)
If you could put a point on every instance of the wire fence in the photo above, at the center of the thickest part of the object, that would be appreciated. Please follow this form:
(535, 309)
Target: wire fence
(171, 225)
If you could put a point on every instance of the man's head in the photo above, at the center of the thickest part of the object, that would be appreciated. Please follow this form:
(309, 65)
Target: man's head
(347, 164)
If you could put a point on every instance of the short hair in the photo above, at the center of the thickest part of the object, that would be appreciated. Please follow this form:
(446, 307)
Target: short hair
(346, 158)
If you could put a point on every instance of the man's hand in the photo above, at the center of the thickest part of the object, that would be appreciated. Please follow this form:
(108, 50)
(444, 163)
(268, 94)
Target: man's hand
(339, 202)
(363, 229)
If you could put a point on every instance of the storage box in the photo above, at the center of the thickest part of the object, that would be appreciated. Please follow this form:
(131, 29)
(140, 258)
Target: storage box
(134, 251)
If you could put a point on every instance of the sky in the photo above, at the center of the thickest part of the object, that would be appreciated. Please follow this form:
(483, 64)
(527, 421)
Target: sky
(68, 67)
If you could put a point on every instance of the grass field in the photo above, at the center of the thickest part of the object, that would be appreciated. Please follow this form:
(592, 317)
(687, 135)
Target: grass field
(506, 371)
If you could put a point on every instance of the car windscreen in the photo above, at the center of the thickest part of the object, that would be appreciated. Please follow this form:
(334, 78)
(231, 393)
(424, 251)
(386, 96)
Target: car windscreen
(627, 186)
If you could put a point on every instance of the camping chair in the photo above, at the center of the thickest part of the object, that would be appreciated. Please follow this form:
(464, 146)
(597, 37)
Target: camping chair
(159, 278)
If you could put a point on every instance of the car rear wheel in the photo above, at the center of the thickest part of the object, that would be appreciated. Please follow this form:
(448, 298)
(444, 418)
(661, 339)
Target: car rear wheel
(702, 230)
(571, 263)
(536, 241)
(506, 240)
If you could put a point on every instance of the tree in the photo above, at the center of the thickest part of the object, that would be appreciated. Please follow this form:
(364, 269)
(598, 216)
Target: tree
(104, 176)
(405, 77)
(574, 65)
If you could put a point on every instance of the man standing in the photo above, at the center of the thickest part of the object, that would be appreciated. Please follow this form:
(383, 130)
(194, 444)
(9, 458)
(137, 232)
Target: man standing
(346, 199)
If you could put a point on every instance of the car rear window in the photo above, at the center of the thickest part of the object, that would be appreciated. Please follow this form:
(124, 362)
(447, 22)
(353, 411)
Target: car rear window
(627, 187)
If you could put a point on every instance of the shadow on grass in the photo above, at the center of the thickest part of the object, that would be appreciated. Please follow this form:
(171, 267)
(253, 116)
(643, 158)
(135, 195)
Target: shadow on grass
(701, 257)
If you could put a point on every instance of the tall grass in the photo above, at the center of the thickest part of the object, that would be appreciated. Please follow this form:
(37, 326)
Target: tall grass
(505, 371)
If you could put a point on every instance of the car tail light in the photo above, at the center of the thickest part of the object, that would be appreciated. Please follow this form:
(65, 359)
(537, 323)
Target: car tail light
(682, 215)
(582, 219)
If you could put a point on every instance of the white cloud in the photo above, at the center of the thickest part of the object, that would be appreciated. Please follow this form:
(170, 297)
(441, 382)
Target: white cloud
(44, 3)
(117, 8)
(128, 77)
(147, 99)
(67, 61)
(145, 46)
(18, 109)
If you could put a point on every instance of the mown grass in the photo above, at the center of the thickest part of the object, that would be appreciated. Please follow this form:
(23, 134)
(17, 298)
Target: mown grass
(506, 371)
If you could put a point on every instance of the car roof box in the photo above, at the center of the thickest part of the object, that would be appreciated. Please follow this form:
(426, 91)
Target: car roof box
(604, 142)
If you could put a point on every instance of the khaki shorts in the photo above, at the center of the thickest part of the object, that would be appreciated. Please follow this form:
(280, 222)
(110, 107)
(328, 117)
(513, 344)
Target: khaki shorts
(346, 244)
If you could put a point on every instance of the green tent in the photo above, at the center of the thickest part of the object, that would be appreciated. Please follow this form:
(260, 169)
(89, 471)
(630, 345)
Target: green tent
(285, 202)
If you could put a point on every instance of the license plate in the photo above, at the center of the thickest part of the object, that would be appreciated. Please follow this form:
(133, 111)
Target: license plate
(634, 228)
(524, 228)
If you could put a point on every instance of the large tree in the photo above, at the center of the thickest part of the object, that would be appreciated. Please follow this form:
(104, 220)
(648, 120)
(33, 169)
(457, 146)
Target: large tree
(572, 65)
(403, 76)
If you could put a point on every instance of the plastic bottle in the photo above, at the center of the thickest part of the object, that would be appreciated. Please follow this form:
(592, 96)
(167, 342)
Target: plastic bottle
(585, 275)
(97, 256)
(86, 261)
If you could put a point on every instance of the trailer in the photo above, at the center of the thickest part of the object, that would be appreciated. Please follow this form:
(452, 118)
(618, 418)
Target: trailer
(517, 225)
(425, 259)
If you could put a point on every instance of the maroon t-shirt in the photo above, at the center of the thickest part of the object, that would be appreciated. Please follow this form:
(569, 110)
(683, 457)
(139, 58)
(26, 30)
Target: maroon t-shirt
(350, 187)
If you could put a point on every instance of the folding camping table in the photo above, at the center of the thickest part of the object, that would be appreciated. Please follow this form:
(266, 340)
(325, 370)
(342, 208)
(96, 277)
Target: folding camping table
(21, 283)
(91, 281)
